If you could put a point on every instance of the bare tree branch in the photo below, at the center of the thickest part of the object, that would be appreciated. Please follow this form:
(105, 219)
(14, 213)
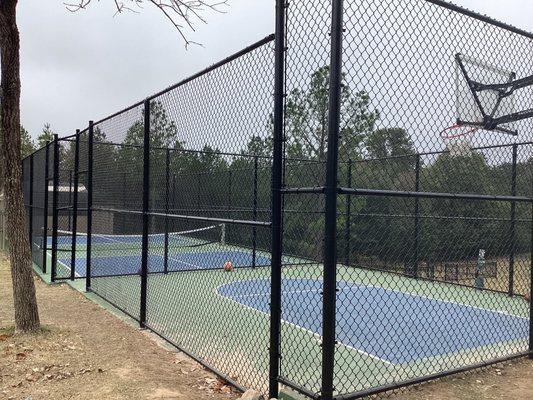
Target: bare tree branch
(182, 14)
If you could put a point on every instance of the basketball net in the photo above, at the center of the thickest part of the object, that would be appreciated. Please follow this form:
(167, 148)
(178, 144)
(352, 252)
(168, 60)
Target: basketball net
(457, 139)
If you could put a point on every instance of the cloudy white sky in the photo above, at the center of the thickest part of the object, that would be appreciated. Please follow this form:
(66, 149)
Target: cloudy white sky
(86, 65)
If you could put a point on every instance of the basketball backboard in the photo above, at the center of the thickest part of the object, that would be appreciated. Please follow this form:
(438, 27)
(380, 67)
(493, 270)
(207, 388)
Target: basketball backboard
(486, 95)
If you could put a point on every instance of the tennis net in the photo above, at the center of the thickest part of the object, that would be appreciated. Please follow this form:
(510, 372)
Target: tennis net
(174, 240)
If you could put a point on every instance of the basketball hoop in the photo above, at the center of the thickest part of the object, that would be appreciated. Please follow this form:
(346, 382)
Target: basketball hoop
(457, 131)
(456, 138)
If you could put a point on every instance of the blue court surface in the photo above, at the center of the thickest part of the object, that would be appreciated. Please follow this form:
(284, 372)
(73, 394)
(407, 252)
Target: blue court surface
(128, 265)
(390, 326)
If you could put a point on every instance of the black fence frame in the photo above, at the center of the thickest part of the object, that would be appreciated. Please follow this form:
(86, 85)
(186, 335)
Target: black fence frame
(331, 191)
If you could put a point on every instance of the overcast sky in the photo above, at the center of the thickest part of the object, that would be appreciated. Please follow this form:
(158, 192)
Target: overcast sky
(89, 64)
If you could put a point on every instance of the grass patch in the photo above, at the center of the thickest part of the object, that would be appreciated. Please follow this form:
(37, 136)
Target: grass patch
(6, 333)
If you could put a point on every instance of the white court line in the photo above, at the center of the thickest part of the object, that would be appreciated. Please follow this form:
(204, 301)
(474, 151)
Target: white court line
(317, 337)
(64, 265)
(351, 288)
(435, 299)
(183, 262)
(243, 296)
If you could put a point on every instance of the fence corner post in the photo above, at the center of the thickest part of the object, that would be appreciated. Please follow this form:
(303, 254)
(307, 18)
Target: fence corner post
(512, 227)
(88, 260)
(44, 233)
(531, 291)
(55, 211)
(75, 206)
(277, 216)
(30, 205)
(145, 216)
(331, 197)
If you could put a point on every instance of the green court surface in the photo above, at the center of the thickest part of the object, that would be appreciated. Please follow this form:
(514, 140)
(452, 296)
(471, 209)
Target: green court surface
(222, 318)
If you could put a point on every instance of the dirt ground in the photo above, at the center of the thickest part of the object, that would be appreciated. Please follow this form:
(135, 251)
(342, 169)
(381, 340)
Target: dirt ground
(512, 380)
(85, 352)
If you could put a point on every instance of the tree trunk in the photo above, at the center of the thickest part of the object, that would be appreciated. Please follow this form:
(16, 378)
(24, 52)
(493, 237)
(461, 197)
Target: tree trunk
(26, 313)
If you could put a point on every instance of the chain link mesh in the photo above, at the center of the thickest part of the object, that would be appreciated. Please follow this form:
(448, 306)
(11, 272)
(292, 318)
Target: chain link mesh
(433, 232)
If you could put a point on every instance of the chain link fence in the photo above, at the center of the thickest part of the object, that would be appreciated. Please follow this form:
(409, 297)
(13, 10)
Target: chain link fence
(343, 209)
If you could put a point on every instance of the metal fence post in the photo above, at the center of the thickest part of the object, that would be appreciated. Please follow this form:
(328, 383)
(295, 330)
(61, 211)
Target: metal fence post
(75, 206)
(512, 228)
(173, 191)
(348, 218)
(254, 217)
(145, 217)
(90, 150)
(277, 210)
(167, 208)
(124, 201)
(55, 211)
(531, 290)
(331, 192)
(70, 178)
(416, 246)
(44, 233)
(30, 205)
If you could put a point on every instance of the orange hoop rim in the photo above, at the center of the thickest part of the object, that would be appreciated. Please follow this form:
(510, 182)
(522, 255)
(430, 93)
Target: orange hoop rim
(448, 132)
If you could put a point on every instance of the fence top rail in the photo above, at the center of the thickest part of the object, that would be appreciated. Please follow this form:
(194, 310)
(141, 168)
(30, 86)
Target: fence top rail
(227, 60)
(481, 17)
(69, 137)
(36, 151)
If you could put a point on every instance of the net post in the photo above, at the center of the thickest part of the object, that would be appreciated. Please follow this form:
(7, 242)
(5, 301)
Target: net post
(90, 150)
(348, 216)
(329, 296)
(230, 184)
(277, 203)
(167, 194)
(199, 186)
(416, 246)
(223, 234)
(44, 233)
(254, 207)
(75, 206)
(145, 216)
(30, 203)
(55, 212)
(512, 227)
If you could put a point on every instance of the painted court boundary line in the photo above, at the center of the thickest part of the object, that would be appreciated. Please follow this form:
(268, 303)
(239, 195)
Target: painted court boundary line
(351, 289)
(63, 264)
(317, 336)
